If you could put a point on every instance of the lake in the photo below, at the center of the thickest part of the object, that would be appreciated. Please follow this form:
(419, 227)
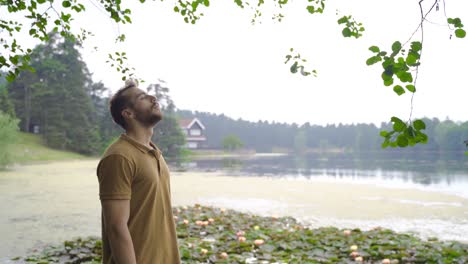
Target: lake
(52, 202)
(429, 171)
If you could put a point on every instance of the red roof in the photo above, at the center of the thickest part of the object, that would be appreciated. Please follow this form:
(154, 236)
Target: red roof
(185, 122)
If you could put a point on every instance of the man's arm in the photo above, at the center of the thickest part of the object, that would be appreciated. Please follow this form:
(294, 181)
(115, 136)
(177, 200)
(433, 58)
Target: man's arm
(116, 214)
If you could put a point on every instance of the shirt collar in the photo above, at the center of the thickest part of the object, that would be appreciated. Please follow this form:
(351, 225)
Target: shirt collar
(140, 146)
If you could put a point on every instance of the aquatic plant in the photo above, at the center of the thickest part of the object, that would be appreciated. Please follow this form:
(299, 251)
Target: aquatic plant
(217, 235)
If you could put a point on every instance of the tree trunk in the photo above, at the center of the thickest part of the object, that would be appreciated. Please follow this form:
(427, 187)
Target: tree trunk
(27, 108)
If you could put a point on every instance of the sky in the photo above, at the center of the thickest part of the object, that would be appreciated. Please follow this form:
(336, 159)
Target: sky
(224, 64)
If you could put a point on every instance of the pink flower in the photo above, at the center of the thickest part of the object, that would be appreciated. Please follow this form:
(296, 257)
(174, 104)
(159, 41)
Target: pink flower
(259, 242)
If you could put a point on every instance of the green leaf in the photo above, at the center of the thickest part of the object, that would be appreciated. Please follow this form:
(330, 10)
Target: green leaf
(66, 4)
(423, 137)
(267, 248)
(396, 47)
(343, 20)
(411, 88)
(206, 3)
(419, 124)
(374, 49)
(398, 125)
(460, 33)
(311, 9)
(456, 22)
(466, 153)
(410, 134)
(14, 59)
(373, 60)
(65, 17)
(239, 3)
(346, 32)
(388, 64)
(402, 141)
(3, 61)
(385, 144)
(411, 59)
(405, 76)
(294, 67)
(398, 89)
(386, 76)
(176, 9)
(194, 5)
(383, 133)
(401, 62)
(416, 46)
(10, 77)
(388, 82)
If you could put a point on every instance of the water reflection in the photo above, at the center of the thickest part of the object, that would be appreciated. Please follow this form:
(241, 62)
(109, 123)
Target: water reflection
(232, 164)
(424, 169)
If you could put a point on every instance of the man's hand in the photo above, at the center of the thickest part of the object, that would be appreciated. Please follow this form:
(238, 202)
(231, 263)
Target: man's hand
(116, 214)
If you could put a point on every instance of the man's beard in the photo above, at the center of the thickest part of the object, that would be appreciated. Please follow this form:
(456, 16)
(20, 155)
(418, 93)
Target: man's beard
(148, 120)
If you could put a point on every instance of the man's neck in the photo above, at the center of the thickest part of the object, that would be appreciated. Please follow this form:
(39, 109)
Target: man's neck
(141, 135)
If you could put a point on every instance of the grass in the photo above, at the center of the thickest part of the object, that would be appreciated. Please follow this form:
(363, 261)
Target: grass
(215, 235)
(31, 148)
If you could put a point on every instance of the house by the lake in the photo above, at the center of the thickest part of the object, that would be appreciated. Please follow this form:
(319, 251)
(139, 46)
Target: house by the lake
(194, 132)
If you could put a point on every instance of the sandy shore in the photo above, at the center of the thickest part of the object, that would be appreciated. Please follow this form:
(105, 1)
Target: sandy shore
(49, 203)
(323, 203)
(320, 199)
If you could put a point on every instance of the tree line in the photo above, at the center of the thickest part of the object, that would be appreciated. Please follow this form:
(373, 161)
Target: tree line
(263, 136)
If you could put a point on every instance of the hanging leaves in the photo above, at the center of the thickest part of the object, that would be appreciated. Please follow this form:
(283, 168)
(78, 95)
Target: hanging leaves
(404, 134)
(119, 61)
(352, 28)
(457, 23)
(316, 6)
(296, 64)
(398, 65)
(189, 9)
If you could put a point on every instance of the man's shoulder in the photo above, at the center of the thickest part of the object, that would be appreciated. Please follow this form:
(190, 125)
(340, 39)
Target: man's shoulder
(117, 152)
(120, 147)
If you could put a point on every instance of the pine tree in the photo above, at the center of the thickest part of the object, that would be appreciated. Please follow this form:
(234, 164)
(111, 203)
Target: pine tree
(6, 105)
(56, 98)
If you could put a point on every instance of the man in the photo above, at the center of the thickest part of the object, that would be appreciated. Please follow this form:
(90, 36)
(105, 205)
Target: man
(134, 186)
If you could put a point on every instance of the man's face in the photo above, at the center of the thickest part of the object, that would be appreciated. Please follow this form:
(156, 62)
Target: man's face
(144, 107)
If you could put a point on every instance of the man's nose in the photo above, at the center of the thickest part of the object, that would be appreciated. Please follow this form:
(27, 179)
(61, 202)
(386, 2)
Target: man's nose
(153, 99)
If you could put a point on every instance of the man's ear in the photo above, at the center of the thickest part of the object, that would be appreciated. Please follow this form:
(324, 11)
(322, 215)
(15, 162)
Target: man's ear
(127, 113)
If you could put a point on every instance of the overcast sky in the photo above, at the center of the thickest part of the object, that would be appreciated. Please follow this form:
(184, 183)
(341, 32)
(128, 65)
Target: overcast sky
(224, 64)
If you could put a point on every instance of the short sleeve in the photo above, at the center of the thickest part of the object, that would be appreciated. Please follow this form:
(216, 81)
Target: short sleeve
(115, 175)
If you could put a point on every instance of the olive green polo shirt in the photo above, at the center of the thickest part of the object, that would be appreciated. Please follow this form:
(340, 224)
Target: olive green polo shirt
(131, 171)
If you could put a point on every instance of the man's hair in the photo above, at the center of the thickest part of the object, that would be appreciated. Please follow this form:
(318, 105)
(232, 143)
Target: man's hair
(119, 102)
